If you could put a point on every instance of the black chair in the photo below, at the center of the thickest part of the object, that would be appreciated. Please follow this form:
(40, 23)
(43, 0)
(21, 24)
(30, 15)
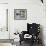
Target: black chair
(32, 29)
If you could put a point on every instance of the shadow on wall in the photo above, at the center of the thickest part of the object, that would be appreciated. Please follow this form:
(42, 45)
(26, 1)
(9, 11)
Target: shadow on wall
(41, 34)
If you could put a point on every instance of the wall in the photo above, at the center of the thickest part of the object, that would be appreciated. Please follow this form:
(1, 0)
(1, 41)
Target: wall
(3, 1)
(35, 14)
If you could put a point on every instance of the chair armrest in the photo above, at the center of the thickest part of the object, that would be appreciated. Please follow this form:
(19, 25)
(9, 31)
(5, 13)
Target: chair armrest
(24, 32)
(22, 35)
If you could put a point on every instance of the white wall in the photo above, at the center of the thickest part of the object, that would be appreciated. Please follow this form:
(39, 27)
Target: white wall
(3, 1)
(35, 14)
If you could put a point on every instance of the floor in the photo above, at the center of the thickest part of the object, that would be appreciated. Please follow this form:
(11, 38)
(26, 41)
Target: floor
(26, 44)
(23, 44)
(5, 44)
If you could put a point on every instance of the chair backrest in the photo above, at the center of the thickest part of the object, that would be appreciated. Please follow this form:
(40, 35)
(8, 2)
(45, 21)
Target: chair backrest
(33, 28)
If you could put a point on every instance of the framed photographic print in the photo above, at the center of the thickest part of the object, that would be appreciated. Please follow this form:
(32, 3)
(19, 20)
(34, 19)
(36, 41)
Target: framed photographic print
(20, 14)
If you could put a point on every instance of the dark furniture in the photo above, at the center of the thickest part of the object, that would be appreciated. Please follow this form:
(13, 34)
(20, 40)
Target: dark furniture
(33, 30)
(42, 1)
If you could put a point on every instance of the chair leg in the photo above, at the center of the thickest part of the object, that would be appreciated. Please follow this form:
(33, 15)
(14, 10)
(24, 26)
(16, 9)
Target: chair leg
(32, 42)
(20, 42)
